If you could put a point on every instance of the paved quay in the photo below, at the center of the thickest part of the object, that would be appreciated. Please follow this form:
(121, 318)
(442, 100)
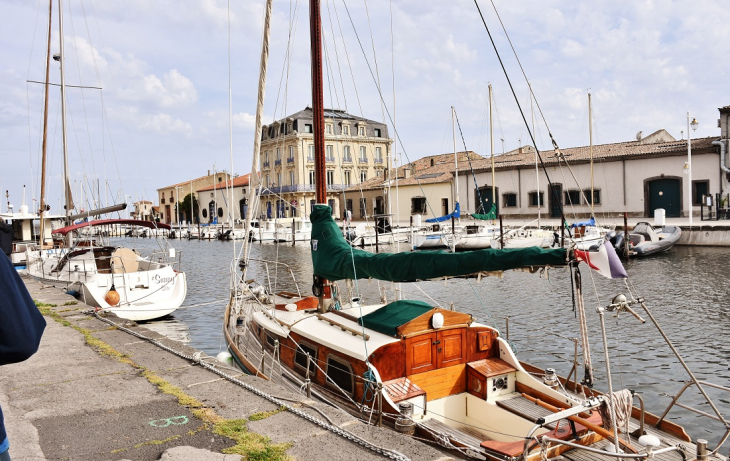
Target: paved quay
(94, 392)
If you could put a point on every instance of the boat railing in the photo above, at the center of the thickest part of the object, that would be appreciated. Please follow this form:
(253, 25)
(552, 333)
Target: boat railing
(288, 268)
(716, 417)
(165, 257)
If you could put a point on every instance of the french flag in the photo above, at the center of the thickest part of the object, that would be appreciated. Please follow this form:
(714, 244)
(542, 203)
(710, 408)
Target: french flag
(604, 260)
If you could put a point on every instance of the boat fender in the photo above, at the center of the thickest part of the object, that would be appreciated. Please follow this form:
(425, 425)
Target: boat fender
(437, 320)
(112, 296)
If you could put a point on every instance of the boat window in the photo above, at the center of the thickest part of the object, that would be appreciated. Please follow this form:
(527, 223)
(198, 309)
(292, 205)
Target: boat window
(270, 341)
(339, 372)
(300, 358)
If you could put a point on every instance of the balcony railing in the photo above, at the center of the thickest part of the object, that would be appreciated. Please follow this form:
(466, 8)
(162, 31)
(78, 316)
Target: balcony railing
(330, 159)
(267, 164)
(310, 159)
(290, 160)
(347, 160)
(162, 201)
(298, 188)
(378, 160)
(277, 162)
(362, 160)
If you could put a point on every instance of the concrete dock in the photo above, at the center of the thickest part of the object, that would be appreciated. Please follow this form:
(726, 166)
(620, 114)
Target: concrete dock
(95, 392)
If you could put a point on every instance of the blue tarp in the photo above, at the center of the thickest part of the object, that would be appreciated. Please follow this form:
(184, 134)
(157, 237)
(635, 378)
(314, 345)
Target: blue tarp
(455, 214)
(590, 222)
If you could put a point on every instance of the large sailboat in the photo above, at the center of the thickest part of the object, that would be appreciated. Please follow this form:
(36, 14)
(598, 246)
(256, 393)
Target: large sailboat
(112, 278)
(432, 372)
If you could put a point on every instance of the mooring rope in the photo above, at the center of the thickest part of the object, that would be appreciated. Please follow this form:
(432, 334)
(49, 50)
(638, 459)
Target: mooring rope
(392, 454)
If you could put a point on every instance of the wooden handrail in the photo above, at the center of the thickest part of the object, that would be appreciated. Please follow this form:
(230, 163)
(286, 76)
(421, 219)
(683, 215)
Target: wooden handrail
(344, 327)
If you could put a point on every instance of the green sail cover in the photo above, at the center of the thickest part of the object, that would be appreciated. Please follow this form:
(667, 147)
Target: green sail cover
(388, 318)
(491, 216)
(334, 259)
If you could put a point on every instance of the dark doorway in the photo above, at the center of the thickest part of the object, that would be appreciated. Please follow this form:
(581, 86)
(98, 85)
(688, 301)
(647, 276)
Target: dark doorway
(555, 199)
(379, 205)
(243, 207)
(664, 193)
(445, 207)
(487, 200)
(211, 211)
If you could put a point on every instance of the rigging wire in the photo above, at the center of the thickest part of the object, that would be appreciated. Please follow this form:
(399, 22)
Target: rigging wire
(522, 113)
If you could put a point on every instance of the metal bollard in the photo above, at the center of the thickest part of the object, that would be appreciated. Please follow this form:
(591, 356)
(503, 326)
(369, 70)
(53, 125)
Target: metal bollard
(702, 450)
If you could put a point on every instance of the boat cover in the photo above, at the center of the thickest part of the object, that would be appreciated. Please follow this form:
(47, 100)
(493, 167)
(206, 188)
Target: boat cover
(388, 318)
(491, 216)
(334, 259)
(590, 222)
(454, 214)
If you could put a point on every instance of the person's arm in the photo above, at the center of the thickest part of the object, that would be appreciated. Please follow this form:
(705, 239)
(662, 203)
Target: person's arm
(21, 324)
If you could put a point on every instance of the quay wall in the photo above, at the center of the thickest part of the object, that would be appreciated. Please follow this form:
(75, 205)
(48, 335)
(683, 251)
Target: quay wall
(716, 236)
(95, 391)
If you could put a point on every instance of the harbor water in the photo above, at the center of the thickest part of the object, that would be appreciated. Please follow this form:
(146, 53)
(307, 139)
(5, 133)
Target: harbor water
(686, 289)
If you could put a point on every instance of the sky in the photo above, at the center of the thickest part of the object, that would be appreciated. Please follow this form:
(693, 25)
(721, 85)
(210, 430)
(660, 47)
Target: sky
(162, 114)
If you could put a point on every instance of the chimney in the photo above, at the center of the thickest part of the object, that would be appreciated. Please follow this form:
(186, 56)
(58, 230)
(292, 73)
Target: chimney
(208, 172)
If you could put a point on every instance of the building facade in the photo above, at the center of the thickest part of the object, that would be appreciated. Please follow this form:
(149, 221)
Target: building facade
(636, 177)
(169, 195)
(143, 211)
(356, 150)
(213, 201)
(424, 187)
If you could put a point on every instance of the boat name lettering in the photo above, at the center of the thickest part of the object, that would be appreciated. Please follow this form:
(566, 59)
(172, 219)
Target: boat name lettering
(158, 279)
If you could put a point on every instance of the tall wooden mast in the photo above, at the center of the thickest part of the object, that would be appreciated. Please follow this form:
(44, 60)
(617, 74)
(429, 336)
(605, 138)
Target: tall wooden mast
(42, 209)
(315, 33)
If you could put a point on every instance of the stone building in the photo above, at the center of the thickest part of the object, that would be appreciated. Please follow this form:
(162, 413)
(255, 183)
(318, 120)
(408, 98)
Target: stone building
(637, 177)
(167, 195)
(213, 201)
(356, 149)
(143, 210)
(423, 187)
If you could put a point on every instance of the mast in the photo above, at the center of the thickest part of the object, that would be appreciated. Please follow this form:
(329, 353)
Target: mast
(315, 34)
(456, 157)
(254, 178)
(590, 131)
(491, 141)
(66, 172)
(537, 170)
(41, 240)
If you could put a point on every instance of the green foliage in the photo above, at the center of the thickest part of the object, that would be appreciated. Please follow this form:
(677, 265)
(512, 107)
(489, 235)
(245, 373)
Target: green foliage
(185, 208)
(252, 446)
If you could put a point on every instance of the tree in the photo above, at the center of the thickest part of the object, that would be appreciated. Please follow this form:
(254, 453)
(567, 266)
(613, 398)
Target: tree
(185, 208)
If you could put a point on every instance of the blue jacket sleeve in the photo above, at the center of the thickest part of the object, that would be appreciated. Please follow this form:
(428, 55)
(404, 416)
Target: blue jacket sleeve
(21, 324)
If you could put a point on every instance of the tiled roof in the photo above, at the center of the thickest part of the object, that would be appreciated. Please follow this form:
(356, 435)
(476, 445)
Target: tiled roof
(601, 153)
(422, 172)
(187, 183)
(239, 181)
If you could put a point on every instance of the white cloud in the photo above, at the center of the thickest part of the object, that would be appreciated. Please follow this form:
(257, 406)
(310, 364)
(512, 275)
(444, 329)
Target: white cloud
(176, 90)
(244, 120)
(165, 123)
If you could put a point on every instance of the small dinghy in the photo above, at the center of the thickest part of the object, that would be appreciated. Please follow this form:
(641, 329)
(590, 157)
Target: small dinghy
(645, 240)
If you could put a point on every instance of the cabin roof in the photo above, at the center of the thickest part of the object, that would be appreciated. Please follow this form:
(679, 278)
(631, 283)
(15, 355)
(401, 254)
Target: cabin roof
(388, 318)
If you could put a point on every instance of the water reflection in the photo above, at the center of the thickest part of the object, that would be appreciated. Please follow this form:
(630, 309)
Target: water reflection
(686, 290)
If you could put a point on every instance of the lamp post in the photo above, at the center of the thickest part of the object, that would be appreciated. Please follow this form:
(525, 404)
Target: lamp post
(126, 200)
(692, 124)
(177, 207)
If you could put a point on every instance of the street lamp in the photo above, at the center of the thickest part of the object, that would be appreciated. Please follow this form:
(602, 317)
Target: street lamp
(694, 125)
(177, 207)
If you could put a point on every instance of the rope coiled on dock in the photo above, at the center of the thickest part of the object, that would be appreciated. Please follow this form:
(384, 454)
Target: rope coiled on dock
(392, 454)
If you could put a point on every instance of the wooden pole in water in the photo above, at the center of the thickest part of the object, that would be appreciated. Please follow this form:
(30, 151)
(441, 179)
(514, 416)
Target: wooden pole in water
(376, 236)
(626, 234)
(293, 231)
(501, 233)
